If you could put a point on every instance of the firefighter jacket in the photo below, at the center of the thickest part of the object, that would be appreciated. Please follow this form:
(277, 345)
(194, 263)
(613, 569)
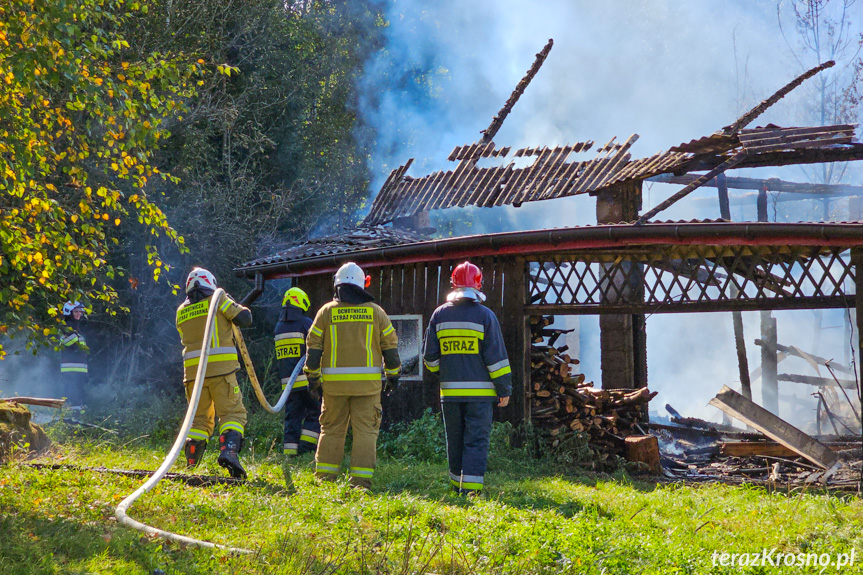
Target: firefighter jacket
(191, 321)
(73, 350)
(464, 345)
(352, 338)
(291, 332)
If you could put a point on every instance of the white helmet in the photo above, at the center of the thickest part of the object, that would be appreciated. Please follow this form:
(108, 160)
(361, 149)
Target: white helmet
(351, 273)
(69, 307)
(199, 277)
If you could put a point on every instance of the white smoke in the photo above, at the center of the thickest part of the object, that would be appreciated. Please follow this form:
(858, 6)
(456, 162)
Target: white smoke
(667, 70)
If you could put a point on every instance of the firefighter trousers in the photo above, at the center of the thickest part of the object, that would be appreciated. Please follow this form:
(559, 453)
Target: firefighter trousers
(363, 413)
(302, 428)
(74, 384)
(220, 396)
(467, 425)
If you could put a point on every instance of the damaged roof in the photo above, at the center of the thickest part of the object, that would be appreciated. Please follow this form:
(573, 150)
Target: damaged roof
(348, 242)
(330, 253)
(553, 174)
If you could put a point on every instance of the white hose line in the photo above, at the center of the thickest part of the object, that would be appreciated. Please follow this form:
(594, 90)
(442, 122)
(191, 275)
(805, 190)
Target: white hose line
(120, 512)
(250, 370)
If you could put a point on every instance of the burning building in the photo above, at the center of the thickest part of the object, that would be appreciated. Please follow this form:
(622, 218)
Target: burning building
(622, 269)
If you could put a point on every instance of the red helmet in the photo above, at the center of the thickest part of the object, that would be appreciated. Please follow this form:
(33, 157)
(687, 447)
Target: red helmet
(466, 275)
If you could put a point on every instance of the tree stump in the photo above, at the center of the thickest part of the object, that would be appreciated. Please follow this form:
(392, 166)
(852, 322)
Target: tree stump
(16, 431)
(644, 449)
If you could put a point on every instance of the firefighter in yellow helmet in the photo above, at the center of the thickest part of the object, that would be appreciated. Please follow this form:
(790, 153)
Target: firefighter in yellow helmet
(351, 344)
(303, 408)
(220, 394)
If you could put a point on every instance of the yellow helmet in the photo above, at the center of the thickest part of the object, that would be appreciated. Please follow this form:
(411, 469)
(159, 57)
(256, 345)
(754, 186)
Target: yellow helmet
(296, 296)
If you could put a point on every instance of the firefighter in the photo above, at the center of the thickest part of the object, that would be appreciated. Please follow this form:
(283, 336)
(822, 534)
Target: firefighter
(220, 393)
(303, 408)
(351, 342)
(73, 356)
(464, 346)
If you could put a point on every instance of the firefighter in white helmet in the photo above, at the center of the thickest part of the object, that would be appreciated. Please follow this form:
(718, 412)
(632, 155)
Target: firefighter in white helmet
(351, 344)
(303, 408)
(220, 394)
(73, 356)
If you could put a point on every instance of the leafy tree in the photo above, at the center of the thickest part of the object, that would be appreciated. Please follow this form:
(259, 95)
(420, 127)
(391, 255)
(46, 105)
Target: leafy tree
(825, 30)
(81, 113)
(266, 152)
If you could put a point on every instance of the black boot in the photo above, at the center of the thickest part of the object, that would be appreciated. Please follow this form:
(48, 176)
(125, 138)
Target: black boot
(230, 445)
(194, 450)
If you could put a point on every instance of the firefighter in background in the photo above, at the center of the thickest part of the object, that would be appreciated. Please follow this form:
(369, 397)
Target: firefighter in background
(464, 346)
(220, 393)
(351, 344)
(73, 356)
(303, 408)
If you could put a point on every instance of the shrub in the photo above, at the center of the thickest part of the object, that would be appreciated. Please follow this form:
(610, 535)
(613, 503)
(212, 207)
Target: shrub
(420, 440)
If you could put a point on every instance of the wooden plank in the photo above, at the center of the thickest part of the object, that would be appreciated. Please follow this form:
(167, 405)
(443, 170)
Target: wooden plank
(799, 144)
(375, 286)
(428, 279)
(319, 289)
(409, 281)
(819, 381)
(385, 298)
(773, 427)
(498, 287)
(768, 448)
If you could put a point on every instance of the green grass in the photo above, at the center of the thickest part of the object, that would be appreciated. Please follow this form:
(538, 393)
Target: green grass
(537, 516)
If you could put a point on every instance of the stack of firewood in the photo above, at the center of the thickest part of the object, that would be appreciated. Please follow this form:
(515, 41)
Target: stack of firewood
(563, 402)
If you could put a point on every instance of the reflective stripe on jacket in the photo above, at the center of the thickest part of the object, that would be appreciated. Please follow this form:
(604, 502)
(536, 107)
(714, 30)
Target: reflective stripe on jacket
(73, 350)
(464, 344)
(352, 338)
(290, 342)
(191, 321)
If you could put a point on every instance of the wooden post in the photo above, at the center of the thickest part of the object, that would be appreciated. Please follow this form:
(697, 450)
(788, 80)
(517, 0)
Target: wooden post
(623, 341)
(769, 383)
(769, 364)
(516, 336)
(857, 260)
(742, 361)
(722, 188)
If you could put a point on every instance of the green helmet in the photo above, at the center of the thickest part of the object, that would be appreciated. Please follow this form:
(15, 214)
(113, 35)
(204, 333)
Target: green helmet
(297, 297)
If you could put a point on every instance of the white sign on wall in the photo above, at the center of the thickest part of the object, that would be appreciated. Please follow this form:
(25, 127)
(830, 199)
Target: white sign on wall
(409, 328)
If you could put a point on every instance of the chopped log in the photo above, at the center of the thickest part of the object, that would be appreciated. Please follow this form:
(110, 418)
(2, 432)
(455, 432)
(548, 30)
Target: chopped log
(643, 449)
(40, 401)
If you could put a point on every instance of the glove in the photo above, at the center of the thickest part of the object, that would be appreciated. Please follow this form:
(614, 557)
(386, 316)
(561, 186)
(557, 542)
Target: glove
(314, 387)
(390, 383)
(310, 397)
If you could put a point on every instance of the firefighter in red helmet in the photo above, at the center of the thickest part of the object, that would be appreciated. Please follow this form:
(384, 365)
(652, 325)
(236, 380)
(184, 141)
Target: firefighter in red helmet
(464, 346)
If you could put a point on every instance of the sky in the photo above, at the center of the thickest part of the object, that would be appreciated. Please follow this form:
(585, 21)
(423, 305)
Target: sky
(667, 70)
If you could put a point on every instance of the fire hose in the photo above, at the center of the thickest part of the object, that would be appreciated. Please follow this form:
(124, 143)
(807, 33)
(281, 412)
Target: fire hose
(121, 511)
